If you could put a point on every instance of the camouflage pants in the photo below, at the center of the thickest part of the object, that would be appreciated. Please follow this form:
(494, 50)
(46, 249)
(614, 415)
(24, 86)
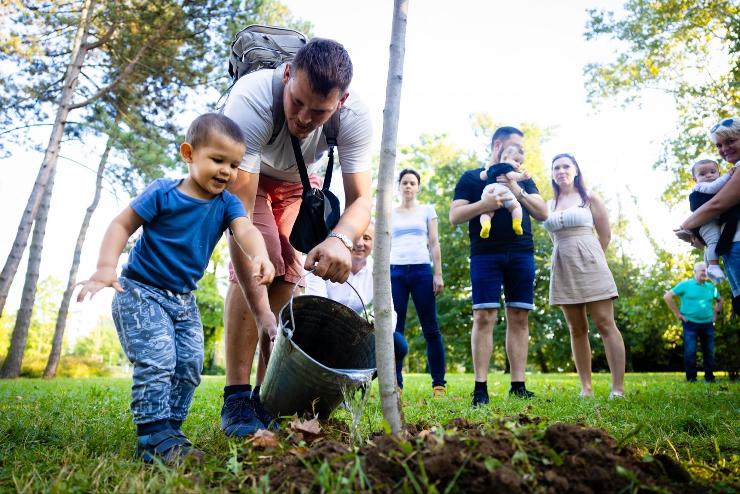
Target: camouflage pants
(162, 336)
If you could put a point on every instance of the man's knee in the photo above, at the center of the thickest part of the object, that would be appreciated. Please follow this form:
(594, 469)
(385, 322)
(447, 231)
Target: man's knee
(484, 319)
(517, 319)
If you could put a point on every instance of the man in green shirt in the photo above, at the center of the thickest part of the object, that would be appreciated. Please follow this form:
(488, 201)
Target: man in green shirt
(697, 314)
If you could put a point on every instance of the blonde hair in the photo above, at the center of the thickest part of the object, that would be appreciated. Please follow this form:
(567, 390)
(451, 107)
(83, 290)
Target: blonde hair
(727, 127)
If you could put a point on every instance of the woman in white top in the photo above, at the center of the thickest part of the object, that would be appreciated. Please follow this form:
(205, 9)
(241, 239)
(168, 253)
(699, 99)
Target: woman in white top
(413, 237)
(580, 280)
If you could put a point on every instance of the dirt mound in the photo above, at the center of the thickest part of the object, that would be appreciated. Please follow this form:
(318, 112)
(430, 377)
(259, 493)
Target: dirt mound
(516, 455)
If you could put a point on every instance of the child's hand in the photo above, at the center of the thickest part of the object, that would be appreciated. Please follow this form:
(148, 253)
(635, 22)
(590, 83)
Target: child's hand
(99, 280)
(525, 174)
(264, 271)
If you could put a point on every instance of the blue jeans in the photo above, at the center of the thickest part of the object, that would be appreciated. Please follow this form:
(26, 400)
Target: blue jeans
(732, 268)
(704, 332)
(162, 336)
(417, 280)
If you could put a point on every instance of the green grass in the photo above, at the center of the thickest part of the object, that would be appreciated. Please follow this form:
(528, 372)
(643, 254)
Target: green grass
(76, 435)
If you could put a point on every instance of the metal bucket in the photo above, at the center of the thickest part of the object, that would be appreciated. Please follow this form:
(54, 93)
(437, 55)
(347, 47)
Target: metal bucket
(322, 347)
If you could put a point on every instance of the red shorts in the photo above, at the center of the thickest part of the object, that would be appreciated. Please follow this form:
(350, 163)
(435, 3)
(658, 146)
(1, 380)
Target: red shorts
(275, 210)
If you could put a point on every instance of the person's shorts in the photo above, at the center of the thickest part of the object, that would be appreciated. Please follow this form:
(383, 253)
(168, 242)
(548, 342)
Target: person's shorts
(275, 210)
(513, 270)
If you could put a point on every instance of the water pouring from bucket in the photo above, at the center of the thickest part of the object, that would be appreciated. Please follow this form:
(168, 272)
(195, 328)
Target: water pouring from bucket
(323, 350)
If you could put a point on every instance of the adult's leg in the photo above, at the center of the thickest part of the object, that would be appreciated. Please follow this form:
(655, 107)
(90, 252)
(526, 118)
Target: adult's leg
(575, 316)
(400, 294)
(689, 350)
(240, 326)
(518, 277)
(422, 293)
(517, 342)
(706, 334)
(481, 341)
(602, 313)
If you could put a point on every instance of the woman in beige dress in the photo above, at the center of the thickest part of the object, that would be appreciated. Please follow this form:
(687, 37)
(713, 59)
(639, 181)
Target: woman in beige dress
(580, 280)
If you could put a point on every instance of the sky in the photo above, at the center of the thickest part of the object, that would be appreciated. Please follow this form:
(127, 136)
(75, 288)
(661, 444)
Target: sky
(516, 61)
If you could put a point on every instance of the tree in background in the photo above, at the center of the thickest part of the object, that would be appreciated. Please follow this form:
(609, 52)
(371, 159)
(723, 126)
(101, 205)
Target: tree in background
(211, 307)
(688, 50)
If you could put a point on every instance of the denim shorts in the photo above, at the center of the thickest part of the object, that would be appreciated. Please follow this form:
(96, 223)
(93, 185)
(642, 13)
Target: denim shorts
(513, 270)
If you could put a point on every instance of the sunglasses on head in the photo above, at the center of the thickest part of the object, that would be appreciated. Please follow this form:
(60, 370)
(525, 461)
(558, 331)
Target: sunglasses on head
(724, 123)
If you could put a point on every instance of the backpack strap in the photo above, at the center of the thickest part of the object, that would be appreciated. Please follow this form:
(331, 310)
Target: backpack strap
(278, 113)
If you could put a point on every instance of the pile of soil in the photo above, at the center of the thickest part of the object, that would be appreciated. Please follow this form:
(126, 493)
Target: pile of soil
(515, 455)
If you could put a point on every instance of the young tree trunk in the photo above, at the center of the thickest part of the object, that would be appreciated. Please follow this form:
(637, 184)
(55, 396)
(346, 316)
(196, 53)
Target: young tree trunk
(51, 156)
(384, 355)
(12, 365)
(56, 345)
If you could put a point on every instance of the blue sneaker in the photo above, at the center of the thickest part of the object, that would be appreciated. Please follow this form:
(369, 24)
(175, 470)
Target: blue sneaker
(237, 415)
(167, 445)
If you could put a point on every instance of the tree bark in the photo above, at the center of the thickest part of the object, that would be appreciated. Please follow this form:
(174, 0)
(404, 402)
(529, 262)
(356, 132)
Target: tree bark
(48, 165)
(384, 355)
(12, 365)
(56, 346)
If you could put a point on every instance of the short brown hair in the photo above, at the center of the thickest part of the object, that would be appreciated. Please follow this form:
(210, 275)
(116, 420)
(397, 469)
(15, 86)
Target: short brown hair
(201, 128)
(326, 64)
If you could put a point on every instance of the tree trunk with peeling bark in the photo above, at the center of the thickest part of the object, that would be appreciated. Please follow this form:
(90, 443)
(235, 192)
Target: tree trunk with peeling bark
(56, 346)
(13, 361)
(384, 354)
(48, 165)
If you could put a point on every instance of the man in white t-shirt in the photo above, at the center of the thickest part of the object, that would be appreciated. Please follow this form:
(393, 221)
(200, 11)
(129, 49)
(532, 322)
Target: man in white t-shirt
(315, 86)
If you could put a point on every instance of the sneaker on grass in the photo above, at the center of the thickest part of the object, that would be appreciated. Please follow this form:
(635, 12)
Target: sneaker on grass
(480, 397)
(168, 445)
(238, 417)
(521, 393)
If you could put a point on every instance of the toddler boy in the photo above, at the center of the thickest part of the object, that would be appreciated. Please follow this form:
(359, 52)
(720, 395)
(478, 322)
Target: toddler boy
(154, 309)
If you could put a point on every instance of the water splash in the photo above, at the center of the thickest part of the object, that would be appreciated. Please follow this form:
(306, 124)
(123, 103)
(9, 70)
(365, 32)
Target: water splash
(355, 394)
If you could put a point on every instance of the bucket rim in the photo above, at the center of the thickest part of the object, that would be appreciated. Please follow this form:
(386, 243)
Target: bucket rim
(295, 345)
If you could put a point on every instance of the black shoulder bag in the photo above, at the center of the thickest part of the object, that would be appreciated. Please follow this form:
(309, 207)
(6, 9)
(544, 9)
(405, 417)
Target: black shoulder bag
(319, 211)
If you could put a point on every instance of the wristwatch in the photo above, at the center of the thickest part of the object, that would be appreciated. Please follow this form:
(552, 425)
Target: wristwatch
(522, 194)
(344, 238)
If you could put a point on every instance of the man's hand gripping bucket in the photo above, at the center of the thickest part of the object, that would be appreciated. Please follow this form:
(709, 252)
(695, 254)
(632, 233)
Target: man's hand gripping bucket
(322, 347)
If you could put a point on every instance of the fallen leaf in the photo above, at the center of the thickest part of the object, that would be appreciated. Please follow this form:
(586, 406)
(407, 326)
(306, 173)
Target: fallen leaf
(265, 439)
(298, 451)
(309, 427)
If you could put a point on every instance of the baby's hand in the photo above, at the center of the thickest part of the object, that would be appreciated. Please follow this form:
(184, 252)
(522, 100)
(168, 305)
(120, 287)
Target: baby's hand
(264, 271)
(99, 280)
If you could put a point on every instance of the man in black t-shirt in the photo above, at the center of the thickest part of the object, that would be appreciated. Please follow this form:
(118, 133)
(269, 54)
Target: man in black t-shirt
(504, 259)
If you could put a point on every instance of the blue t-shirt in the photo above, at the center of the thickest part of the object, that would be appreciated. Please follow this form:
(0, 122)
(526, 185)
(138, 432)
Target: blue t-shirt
(502, 239)
(179, 235)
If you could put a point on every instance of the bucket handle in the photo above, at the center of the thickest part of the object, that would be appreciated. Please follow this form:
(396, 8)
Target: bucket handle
(292, 294)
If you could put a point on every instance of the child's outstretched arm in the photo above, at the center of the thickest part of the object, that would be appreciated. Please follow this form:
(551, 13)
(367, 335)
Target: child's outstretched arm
(121, 228)
(250, 241)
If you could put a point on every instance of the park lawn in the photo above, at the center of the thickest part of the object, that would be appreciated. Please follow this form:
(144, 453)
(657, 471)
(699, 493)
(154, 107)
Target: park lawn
(76, 434)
